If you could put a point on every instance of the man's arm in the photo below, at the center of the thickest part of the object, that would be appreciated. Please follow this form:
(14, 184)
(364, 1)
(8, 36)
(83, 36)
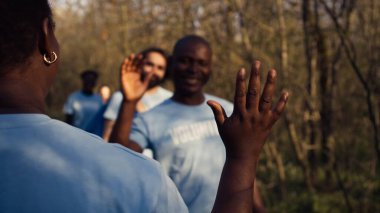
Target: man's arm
(122, 128)
(133, 88)
(108, 126)
(258, 204)
(244, 134)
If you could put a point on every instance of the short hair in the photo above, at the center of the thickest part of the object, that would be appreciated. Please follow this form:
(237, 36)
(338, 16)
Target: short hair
(20, 27)
(89, 72)
(194, 39)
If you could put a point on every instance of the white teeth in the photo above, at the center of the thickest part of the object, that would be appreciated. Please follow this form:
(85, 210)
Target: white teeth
(191, 81)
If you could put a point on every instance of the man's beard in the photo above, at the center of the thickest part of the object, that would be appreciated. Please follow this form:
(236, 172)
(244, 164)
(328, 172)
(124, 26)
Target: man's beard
(154, 81)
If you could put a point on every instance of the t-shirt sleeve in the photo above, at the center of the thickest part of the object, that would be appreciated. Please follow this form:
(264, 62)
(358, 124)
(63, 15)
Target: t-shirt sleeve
(139, 131)
(113, 107)
(68, 106)
(169, 199)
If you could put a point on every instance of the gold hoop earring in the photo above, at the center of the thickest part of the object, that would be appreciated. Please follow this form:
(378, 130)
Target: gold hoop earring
(48, 60)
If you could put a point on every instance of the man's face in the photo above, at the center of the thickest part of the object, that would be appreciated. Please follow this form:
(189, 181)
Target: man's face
(154, 63)
(191, 68)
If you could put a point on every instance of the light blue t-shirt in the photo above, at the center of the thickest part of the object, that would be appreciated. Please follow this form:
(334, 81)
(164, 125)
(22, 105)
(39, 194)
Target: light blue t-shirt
(82, 107)
(185, 140)
(49, 166)
(148, 100)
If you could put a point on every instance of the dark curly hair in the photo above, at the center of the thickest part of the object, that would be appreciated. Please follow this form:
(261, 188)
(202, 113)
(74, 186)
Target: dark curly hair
(20, 30)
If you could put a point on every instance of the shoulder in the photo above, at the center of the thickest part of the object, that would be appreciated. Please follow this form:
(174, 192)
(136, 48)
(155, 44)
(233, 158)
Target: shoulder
(157, 113)
(165, 105)
(97, 97)
(227, 105)
(220, 100)
(164, 91)
(117, 94)
(93, 147)
(75, 95)
(117, 97)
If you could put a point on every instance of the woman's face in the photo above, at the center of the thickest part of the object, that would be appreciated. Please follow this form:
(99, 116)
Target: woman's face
(154, 63)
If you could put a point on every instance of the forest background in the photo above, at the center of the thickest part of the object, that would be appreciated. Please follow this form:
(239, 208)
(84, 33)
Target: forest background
(324, 154)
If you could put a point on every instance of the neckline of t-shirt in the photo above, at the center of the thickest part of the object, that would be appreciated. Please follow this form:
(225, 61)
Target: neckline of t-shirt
(21, 119)
(87, 95)
(190, 106)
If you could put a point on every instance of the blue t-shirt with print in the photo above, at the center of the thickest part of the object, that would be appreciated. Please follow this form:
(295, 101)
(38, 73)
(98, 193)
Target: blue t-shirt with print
(185, 140)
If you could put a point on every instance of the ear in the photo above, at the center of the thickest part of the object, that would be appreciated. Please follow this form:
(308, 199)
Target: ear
(46, 37)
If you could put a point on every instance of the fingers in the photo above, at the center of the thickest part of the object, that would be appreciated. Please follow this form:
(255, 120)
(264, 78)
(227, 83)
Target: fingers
(124, 65)
(136, 62)
(253, 94)
(131, 63)
(280, 107)
(219, 113)
(266, 97)
(240, 93)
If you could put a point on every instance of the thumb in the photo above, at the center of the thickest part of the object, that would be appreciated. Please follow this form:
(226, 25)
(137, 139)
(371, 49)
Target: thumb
(219, 113)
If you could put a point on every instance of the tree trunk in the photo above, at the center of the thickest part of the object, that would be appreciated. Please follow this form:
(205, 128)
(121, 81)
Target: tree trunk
(312, 113)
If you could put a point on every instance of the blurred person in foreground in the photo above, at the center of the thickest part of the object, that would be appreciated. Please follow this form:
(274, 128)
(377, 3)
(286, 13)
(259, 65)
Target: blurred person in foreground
(81, 106)
(181, 130)
(154, 61)
(50, 166)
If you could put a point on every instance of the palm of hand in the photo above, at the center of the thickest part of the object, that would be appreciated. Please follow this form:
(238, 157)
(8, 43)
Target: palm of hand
(251, 133)
(133, 88)
(245, 131)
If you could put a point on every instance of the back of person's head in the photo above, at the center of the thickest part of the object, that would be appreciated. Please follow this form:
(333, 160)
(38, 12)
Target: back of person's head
(195, 40)
(89, 79)
(89, 73)
(20, 27)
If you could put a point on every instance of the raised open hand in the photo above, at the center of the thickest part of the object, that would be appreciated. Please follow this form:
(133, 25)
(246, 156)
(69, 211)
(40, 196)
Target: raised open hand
(132, 87)
(245, 131)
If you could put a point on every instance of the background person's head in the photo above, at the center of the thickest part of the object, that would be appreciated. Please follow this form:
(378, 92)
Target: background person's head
(105, 93)
(191, 65)
(89, 79)
(155, 61)
(27, 36)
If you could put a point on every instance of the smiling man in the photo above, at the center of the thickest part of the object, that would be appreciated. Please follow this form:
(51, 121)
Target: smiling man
(181, 131)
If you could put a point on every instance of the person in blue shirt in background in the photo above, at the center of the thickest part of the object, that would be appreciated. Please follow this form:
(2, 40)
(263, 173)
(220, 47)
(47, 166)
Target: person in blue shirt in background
(81, 106)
